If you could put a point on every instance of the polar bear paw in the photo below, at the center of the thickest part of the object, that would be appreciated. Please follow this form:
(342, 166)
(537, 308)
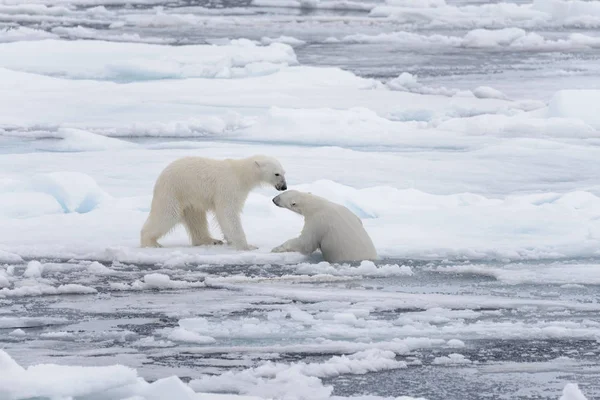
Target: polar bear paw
(279, 249)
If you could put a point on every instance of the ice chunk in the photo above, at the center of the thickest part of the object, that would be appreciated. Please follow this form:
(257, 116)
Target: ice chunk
(292, 41)
(43, 289)
(486, 92)
(4, 281)
(99, 269)
(569, 11)
(22, 33)
(168, 388)
(18, 333)
(366, 268)
(416, 3)
(34, 270)
(183, 335)
(28, 322)
(9, 258)
(451, 359)
(157, 281)
(274, 380)
(59, 381)
(95, 59)
(571, 391)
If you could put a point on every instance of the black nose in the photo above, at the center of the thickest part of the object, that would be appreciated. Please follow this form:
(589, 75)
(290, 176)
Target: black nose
(284, 187)
(275, 200)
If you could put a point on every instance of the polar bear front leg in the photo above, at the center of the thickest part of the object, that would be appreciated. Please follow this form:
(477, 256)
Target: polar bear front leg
(303, 244)
(231, 225)
(196, 224)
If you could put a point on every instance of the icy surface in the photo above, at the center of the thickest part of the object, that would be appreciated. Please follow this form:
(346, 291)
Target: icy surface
(464, 134)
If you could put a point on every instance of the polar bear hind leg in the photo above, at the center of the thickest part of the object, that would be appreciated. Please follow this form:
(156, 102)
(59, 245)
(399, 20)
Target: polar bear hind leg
(158, 224)
(196, 225)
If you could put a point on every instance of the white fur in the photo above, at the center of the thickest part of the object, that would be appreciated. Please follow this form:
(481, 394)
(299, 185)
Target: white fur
(327, 226)
(190, 187)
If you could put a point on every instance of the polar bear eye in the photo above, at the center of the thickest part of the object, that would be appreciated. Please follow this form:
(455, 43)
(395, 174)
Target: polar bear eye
(276, 174)
(293, 204)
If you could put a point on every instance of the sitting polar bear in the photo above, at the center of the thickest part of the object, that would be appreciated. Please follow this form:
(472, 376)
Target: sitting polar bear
(190, 187)
(327, 226)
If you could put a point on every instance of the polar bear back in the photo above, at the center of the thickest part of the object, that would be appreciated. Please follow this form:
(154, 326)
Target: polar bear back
(341, 234)
(197, 181)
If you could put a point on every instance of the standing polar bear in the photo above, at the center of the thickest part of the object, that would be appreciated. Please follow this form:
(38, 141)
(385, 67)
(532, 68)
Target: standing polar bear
(190, 187)
(327, 226)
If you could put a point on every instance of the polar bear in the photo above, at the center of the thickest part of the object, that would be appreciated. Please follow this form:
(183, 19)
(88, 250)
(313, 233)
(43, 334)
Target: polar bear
(190, 187)
(327, 226)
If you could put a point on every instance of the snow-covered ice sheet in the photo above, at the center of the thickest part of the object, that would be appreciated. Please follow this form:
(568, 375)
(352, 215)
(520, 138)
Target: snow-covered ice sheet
(456, 130)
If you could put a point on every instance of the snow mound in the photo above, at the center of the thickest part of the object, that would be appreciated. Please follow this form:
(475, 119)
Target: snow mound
(74, 191)
(576, 104)
(123, 62)
(81, 140)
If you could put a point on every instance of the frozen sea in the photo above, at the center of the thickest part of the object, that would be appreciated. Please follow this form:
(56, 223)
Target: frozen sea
(464, 134)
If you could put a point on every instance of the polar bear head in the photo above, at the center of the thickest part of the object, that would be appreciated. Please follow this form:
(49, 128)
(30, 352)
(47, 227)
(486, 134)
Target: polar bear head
(270, 171)
(298, 202)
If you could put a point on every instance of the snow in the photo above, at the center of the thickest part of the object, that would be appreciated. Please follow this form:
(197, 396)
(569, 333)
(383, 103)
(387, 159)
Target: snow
(82, 59)
(576, 104)
(516, 39)
(458, 132)
(539, 13)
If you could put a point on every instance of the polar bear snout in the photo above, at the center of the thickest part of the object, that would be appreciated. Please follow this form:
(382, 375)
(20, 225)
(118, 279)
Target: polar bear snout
(276, 201)
(281, 186)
